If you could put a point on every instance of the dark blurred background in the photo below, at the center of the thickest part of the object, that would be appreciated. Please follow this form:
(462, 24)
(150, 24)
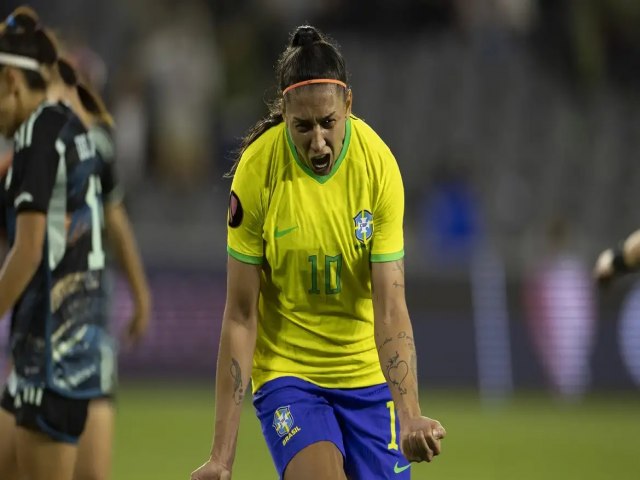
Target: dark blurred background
(515, 124)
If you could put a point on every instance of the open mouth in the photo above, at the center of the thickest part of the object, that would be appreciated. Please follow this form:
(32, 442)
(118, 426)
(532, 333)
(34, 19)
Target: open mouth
(321, 163)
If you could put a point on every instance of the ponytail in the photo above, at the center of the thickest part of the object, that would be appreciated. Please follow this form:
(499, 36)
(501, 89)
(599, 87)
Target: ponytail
(93, 104)
(21, 34)
(271, 120)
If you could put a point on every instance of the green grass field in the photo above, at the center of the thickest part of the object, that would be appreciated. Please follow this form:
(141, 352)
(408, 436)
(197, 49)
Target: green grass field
(164, 432)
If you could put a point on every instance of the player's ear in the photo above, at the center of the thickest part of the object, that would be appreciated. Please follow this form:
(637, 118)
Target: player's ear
(8, 79)
(348, 102)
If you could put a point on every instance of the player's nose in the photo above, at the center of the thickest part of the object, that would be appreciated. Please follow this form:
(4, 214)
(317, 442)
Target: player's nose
(318, 141)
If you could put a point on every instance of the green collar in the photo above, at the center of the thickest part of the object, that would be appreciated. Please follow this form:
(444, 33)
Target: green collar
(343, 153)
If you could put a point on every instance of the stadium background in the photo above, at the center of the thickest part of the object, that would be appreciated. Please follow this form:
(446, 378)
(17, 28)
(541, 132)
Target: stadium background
(515, 123)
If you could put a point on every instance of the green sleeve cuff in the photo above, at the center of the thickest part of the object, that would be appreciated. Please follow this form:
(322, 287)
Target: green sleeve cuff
(387, 257)
(244, 258)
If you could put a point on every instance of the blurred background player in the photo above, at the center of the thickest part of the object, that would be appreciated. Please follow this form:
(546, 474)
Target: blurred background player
(95, 446)
(65, 356)
(561, 313)
(315, 226)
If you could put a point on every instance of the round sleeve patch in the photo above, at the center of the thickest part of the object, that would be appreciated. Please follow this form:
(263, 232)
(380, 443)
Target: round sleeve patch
(235, 210)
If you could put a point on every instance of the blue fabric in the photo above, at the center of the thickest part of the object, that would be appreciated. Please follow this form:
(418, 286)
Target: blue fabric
(295, 414)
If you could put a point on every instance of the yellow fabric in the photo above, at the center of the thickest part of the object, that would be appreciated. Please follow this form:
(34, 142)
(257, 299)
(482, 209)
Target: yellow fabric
(315, 238)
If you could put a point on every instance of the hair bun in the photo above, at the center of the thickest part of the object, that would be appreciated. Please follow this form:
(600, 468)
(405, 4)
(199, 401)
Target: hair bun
(23, 20)
(304, 36)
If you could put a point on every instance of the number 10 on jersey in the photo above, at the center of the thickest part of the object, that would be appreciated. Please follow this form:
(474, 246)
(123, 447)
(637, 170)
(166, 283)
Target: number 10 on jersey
(332, 271)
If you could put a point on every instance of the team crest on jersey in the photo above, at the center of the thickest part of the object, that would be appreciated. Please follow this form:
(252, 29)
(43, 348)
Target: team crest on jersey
(235, 212)
(283, 421)
(363, 225)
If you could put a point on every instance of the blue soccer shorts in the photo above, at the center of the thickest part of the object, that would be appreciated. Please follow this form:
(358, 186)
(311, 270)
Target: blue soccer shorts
(361, 422)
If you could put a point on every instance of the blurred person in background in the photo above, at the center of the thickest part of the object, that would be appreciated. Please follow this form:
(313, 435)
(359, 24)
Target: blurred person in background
(45, 278)
(95, 446)
(184, 76)
(94, 450)
(560, 308)
(451, 216)
(315, 288)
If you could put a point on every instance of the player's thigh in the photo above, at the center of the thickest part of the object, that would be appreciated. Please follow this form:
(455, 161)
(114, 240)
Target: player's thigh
(8, 456)
(48, 429)
(96, 442)
(294, 416)
(319, 461)
(42, 458)
(371, 432)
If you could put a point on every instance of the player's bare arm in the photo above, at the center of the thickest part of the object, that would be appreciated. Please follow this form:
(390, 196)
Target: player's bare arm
(237, 343)
(420, 436)
(23, 259)
(125, 247)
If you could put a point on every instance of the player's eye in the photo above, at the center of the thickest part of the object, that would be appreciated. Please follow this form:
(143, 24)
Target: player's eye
(328, 123)
(303, 127)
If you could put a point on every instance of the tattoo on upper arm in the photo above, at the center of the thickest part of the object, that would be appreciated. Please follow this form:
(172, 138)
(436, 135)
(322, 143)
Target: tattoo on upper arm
(398, 266)
(397, 371)
(236, 374)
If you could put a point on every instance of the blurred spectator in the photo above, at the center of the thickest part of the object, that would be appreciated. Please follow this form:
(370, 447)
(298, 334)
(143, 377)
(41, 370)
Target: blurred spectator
(560, 311)
(451, 216)
(184, 76)
(132, 134)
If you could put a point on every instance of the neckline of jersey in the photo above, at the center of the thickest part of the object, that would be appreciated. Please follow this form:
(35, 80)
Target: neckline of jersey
(41, 106)
(343, 153)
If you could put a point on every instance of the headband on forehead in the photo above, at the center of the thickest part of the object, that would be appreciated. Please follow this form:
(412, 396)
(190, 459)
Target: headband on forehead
(19, 61)
(311, 82)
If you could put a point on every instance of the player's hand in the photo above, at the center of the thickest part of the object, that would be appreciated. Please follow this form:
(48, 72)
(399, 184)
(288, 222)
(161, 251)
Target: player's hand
(212, 470)
(604, 272)
(420, 439)
(139, 323)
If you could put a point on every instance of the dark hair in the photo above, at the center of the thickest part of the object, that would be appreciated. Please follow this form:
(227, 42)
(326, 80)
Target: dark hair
(67, 72)
(22, 34)
(89, 99)
(93, 104)
(309, 55)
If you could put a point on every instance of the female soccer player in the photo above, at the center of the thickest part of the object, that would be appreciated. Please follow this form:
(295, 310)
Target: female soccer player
(53, 274)
(95, 445)
(315, 289)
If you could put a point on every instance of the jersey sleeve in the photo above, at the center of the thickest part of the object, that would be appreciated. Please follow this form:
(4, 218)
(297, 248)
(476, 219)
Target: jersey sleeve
(36, 166)
(245, 218)
(388, 238)
(112, 191)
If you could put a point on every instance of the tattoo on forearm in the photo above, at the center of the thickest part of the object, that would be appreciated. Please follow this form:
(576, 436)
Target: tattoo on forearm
(236, 374)
(386, 341)
(409, 339)
(397, 371)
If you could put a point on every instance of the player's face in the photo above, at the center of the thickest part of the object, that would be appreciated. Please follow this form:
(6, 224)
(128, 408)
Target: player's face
(316, 116)
(7, 103)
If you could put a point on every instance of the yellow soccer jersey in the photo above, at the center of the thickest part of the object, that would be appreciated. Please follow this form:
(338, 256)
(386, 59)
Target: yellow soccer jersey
(315, 237)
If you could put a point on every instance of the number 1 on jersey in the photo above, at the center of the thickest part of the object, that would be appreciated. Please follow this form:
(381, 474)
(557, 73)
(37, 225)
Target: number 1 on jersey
(95, 259)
